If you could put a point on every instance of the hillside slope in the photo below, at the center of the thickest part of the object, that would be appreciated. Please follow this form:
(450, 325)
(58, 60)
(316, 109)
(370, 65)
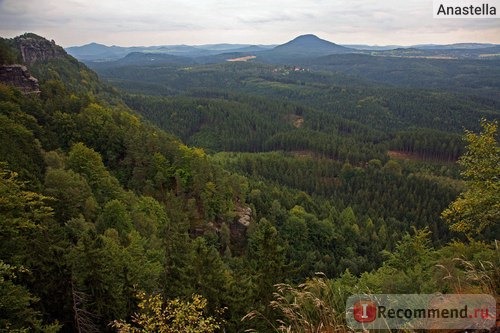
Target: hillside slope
(106, 181)
(101, 209)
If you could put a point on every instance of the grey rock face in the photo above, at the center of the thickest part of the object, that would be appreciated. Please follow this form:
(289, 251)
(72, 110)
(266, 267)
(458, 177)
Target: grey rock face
(35, 49)
(19, 77)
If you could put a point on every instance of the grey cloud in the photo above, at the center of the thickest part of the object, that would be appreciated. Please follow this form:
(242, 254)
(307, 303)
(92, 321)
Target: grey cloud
(266, 19)
(136, 21)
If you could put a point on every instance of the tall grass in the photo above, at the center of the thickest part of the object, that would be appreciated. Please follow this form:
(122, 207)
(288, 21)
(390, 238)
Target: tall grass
(315, 306)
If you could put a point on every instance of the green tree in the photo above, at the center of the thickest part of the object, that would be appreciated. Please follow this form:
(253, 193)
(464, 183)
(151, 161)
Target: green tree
(16, 312)
(116, 216)
(172, 316)
(72, 194)
(408, 269)
(478, 207)
(21, 212)
(88, 163)
(20, 148)
(392, 167)
(23, 215)
(149, 217)
(97, 267)
(266, 252)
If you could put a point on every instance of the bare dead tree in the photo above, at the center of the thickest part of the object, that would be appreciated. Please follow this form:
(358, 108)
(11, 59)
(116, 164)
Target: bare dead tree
(84, 320)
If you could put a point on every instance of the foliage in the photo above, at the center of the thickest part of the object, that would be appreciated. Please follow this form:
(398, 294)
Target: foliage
(156, 315)
(20, 148)
(22, 215)
(324, 90)
(477, 209)
(314, 306)
(470, 268)
(22, 212)
(314, 172)
(8, 54)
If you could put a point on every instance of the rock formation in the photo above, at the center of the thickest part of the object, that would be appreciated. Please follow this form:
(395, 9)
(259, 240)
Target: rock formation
(19, 77)
(34, 48)
(245, 215)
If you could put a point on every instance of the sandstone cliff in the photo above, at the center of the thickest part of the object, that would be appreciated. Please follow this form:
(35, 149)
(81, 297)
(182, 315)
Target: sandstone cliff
(19, 77)
(34, 48)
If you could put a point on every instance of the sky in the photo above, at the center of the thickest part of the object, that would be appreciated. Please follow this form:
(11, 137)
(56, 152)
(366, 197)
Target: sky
(195, 22)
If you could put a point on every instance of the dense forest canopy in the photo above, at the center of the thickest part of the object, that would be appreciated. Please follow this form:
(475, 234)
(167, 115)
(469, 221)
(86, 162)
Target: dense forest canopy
(158, 193)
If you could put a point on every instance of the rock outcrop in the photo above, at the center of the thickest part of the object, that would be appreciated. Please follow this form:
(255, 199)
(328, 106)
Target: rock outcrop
(19, 77)
(245, 215)
(34, 48)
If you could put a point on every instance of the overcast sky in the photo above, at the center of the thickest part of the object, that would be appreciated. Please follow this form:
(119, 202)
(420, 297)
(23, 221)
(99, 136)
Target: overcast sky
(163, 22)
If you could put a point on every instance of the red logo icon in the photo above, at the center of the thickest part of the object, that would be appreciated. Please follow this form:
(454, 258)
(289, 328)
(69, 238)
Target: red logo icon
(365, 311)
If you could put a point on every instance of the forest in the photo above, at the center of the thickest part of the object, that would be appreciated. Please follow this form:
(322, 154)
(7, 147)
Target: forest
(232, 197)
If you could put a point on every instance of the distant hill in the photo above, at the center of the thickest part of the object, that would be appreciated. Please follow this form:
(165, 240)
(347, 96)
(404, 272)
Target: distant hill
(303, 47)
(251, 48)
(457, 46)
(471, 76)
(372, 47)
(98, 52)
(145, 59)
(227, 47)
(311, 44)
(454, 46)
(440, 53)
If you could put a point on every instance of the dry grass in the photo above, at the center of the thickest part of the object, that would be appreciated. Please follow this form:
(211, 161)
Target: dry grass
(312, 307)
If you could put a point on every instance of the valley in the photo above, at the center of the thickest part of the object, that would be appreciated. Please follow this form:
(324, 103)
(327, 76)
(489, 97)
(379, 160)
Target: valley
(217, 174)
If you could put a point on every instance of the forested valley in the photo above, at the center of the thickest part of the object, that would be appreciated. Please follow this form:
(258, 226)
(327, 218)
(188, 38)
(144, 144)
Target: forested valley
(233, 196)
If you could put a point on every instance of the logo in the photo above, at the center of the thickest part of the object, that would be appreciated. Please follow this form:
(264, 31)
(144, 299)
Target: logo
(420, 311)
(365, 311)
(465, 9)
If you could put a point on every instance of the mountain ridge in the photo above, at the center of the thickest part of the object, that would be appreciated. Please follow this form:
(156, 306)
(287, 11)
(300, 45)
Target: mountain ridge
(307, 45)
(298, 44)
